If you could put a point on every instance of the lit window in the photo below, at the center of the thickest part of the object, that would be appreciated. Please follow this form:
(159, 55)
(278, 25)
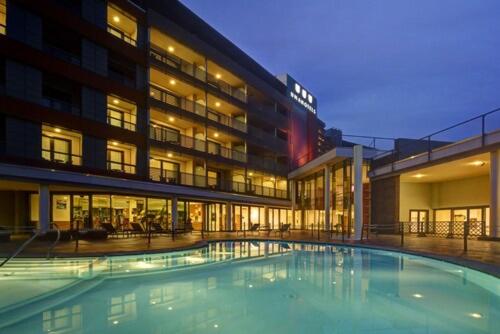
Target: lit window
(122, 25)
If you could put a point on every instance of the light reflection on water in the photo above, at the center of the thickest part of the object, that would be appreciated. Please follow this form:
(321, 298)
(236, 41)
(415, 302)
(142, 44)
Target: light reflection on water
(247, 287)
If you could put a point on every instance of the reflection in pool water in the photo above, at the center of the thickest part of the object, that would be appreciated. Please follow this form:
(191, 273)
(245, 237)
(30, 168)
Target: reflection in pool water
(250, 287)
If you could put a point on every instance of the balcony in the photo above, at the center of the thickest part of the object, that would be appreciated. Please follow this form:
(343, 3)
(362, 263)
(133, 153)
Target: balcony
(61, 146)
(166, 135)
(196, 72)
(121, 157)
(122, 25)
(61, 157)
(121, 113)
(186, 179)
(195, 108)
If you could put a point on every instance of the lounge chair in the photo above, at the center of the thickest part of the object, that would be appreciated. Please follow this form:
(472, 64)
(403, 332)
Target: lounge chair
(285, 228)
(137, 229)
(156, 228)
(108, 227)
(253, 228)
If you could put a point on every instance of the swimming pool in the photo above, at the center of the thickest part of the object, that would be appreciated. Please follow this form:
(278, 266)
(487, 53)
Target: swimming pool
(248, 287)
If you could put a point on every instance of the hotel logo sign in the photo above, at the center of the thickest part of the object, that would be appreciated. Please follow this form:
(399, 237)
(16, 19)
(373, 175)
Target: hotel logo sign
(301, 95)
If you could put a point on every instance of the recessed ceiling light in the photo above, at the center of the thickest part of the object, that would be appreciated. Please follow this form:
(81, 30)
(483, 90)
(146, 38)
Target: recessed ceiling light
(418, 176)
(116, 19)
(152, 93)
(170, 48)
(218, 76)
(114, 143)
(172, 82)
(250, 174)
(216, 134)
(171, 119)
(217, 104)
(116, 101)
(57, 130)
(169, 155)
(477, 163)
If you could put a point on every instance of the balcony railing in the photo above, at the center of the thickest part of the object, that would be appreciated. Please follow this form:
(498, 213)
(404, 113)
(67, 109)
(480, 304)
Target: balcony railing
(196, 108)
(60, 105)
(166, 135)
(62, 54)
(120, 122)
(121, 35)
(186, 179)
(196, 72)
(178, 63)
(119, 166)
(62, 157)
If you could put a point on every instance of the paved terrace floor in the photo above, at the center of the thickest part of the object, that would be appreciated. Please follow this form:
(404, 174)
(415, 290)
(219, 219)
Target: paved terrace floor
(481, 255)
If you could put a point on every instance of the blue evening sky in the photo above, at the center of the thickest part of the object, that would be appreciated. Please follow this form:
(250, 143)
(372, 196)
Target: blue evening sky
(387, 68)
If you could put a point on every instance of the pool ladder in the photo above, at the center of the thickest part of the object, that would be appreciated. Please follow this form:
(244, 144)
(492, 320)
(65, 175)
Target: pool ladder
(27, 242)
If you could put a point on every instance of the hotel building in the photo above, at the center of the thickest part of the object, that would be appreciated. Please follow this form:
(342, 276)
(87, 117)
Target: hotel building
(114, 111)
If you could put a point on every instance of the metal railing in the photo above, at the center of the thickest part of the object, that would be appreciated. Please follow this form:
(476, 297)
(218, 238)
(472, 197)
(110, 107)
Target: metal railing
(62, 54)
(121, 35)
(187, 179)
(195, 71)
(120, 122)
(18, 250)
(439, 139)
(195, 108)
(62, 157)
(165, 135)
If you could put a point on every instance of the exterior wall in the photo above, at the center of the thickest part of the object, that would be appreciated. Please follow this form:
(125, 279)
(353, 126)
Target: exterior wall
(385, 201)
(414, 196)
(460, 193)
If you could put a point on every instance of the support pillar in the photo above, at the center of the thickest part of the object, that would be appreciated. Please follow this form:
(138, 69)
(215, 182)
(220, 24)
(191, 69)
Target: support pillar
(495, 194)
(293, 198)
(327, 189)
(358, 190)
(266, 216)
(229, 216)
(174, 213)
(43, 207)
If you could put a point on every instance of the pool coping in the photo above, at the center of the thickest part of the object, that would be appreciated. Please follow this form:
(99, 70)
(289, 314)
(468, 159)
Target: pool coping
(487, 268)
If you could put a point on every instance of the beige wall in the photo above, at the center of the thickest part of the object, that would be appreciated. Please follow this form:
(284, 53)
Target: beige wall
(474, 191)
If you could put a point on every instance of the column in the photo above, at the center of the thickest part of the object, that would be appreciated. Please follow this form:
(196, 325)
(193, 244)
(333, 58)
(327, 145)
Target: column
(174, 213)
(293, 198)
(327, 190)
(43, 207)
(495, 194)
(229, 216)
(266, 216)
(358, 190)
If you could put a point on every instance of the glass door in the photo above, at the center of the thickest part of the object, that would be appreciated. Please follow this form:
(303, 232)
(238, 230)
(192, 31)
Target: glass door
(80, 212)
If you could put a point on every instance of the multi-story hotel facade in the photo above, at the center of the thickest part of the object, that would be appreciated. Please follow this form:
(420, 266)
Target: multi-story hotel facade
(113, 111)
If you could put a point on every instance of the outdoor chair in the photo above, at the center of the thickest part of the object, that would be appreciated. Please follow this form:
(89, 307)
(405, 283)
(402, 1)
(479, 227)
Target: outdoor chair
(253, 228)
(157, 228)
(137, 229)
(108, 227)
(285, 228)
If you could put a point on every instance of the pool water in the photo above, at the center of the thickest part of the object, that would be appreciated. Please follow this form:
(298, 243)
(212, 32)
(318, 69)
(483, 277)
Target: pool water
(248, 287)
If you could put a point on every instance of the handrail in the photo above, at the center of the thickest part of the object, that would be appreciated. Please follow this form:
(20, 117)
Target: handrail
(21, 248)
(55, 242)
(428, 138)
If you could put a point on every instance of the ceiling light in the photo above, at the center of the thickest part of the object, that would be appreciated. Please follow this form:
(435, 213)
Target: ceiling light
(116, 19)
(418, 176)
(171, 119)
(217, 104)
(172, 82)
(115, 101)
(170, 48)
(154, 125)
(218, 76)
(114, 143)
(216, 134)
(477, 163)
(250, 174)
(169, 155)
(57, 130)
(272, 179)
(152, 93)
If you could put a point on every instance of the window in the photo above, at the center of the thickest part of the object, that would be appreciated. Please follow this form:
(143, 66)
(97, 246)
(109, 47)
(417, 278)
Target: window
(122, 25)
(121, 69)
(3, 17)
(121, 157)
(122, 113)
(61, 145)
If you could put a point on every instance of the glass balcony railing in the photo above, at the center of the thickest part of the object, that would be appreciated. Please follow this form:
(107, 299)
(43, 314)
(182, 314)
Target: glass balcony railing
(121, 167)
(62, 54)
(186, 179)
(195, 108)
(121, 35)
(60, 105)
(61, 157)
(197, 72)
